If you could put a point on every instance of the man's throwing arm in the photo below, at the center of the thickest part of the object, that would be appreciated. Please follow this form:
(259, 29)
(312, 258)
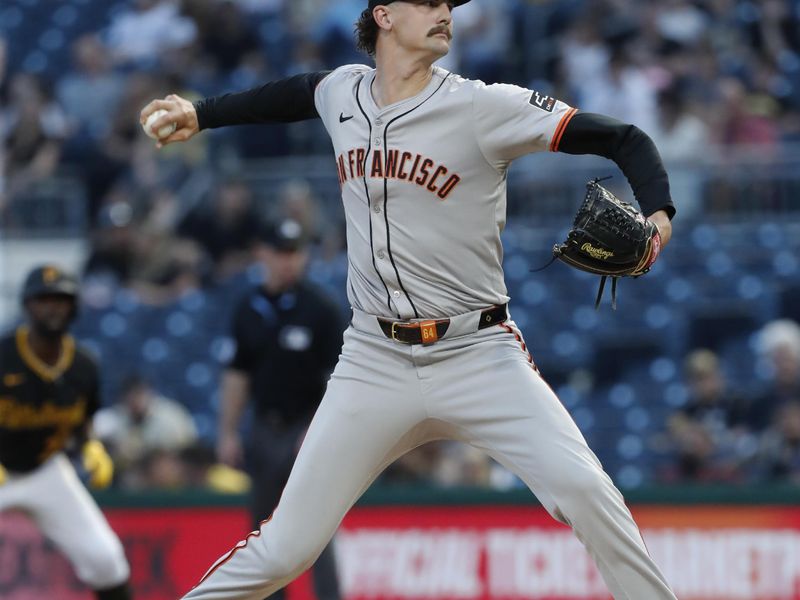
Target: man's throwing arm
(282, 101)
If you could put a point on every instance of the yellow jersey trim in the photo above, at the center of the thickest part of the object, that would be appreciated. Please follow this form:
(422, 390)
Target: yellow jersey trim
(47, 372)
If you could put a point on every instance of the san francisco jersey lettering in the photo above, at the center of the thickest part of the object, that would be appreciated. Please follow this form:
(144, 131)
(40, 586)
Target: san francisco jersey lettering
(405, 164)
(400, 165)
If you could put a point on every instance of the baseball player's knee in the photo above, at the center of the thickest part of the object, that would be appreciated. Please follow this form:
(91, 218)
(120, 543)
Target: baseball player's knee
(103, 566)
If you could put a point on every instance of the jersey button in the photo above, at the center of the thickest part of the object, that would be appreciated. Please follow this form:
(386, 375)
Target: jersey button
(378, 122)
(396, 294)
(381, 254)
(377, 141)
(377, 208)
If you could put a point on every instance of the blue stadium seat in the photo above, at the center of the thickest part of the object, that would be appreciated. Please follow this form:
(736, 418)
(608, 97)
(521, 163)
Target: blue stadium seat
(156, 350)
(11, 17)
(179, 324)
(584, 418)
(675, 395)
(630, 475)
(206, 425)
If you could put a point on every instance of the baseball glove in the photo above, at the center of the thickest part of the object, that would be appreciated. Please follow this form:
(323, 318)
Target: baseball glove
(611, 238)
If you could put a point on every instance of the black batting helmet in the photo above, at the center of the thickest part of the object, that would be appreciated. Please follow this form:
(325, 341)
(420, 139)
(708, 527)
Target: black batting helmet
(49, 280)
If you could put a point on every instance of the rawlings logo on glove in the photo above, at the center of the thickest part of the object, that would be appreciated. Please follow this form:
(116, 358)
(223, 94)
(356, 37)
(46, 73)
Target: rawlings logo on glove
(597, 253)
(611, 238)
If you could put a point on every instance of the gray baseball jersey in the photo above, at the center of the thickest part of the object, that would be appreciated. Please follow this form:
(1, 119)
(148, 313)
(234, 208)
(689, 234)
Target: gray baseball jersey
(425, 201)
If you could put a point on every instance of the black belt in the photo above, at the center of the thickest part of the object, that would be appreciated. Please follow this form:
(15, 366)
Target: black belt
(430, 331)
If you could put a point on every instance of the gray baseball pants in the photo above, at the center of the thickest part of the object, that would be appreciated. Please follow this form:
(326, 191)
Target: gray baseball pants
(385, 398)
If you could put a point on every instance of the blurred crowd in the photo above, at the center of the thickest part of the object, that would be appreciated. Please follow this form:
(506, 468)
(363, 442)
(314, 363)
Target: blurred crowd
(694, 74)
(155, 444)
(700, 76)
(728, 435)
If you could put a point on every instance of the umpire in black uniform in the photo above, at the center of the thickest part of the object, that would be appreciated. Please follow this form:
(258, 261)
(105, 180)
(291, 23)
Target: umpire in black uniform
(288, 336)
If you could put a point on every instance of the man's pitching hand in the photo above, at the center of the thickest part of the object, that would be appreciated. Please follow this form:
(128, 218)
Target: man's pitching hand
(3, 475)
(179, 111)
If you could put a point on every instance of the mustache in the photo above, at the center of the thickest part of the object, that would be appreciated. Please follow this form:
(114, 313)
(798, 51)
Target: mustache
(441, 29)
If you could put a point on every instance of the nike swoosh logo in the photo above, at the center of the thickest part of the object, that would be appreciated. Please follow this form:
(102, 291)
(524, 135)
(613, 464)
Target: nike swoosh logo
(342, 118)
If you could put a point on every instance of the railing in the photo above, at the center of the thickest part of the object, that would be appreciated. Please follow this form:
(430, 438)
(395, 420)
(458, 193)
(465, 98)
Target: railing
(723, 184)
(420, 495)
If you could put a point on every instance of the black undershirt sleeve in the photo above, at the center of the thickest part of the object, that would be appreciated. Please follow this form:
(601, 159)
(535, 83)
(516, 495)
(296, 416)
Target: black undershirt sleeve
(628, 146)
(283, 101)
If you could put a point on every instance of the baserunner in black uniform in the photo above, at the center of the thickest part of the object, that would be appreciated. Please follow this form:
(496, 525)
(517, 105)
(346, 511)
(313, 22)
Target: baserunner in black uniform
(48, 394)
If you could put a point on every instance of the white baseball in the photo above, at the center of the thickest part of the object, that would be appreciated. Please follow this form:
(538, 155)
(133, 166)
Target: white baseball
(165, 131)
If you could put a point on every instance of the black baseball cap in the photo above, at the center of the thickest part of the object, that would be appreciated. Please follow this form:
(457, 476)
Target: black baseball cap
(286, 235)
(374, 3)
(49, 280)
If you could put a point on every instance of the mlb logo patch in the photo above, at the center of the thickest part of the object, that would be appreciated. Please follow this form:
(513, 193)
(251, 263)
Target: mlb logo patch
(546, 103)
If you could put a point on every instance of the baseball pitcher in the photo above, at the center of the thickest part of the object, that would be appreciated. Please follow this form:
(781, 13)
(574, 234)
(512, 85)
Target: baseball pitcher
(432, 351)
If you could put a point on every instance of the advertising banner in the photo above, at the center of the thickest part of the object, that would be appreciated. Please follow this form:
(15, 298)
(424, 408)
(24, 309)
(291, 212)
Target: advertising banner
(706, 553)
(446, 552)
(167, 548)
